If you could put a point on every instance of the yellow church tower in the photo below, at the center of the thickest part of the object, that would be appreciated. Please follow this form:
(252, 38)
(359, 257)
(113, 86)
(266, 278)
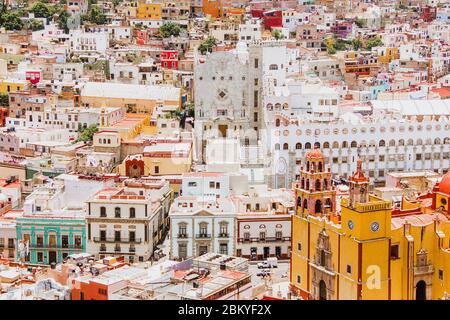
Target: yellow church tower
(366, 231)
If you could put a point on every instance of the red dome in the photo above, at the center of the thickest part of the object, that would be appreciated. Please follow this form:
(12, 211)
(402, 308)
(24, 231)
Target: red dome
(444, 185)
(314, 154)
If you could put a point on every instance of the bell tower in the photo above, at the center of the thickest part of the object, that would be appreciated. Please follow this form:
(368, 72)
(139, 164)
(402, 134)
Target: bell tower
(314, 193)
(359, 186)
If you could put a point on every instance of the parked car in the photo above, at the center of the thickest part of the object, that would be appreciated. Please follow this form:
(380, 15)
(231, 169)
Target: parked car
(269, 263)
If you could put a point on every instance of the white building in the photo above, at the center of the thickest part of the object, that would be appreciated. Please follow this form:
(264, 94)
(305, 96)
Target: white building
(200, 226)
(263, 225)
(127, 220)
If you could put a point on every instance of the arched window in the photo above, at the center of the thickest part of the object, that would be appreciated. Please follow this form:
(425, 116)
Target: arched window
(447, 141)
(109, 141)
(419, 142)
(302, 183)
(277, 106)
(410, 142)
(317, 145)
(270, 106)
(392, 143)
(132, 213)
(320, 166)
(305, 204)
(353, 144)
(117, 212)
(326, 145)
(318, 206)
(325, 184)
(285, 106)
(273, 67)
(437, 141)
(307, 145)
(335, 145)
(298, 146)
(277, 146)
(344, 144)
(307, 184)
(277, 122)
(382, 143)
(102, 212)
(285, 146)
(317, 186)
(401, 142)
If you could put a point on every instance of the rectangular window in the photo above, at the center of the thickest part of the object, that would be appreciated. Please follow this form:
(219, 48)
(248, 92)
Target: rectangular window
(299, 279)
(192, 184)
(40, 257)
(255, 117)
(211, 184)
(419, 156)
(441, 274)
(256, 63)
(395, 249)
(349, 269)
(278, 235)
(262, 236)
(156, 169)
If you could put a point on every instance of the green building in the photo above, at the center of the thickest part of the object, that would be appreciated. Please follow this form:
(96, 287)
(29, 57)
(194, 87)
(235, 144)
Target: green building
(51, 237)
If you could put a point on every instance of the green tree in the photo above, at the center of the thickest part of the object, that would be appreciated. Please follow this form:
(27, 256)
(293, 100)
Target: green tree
(356, 44)
(361, 23)
(87, 134)
(96, 16)
(330, 44)
(11, 21)
(373, 42)
(169, 29)
(4, 100)
(40, 10)
(62, 21)
(35, 24)
(277, 34)
(207, 45)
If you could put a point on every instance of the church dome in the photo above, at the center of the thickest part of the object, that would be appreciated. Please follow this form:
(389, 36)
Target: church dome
(444, 185)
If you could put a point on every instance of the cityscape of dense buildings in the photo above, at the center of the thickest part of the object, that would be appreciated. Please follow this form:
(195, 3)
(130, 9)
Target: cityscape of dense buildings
(225, 150)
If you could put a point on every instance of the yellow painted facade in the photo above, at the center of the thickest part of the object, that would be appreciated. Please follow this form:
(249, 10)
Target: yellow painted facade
(369, 251)
(389, 55)
(7, 86)
(149, 11)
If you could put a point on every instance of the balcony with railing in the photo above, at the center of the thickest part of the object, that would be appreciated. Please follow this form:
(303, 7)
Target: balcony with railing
(115, 240)
(224, 235)
(61, 246)
(264, 240)
(182, 235)
(203, 236)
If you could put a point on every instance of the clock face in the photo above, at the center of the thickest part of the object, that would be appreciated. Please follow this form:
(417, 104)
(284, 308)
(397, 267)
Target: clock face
(375, 226)
(350, 224)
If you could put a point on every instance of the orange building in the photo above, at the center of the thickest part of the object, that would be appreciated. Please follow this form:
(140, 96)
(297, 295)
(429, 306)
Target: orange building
(213, 8)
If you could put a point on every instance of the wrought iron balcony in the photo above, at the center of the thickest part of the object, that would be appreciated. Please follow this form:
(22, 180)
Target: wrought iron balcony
(117, 240)
(182, 235)
(203, 236)
(224, 235)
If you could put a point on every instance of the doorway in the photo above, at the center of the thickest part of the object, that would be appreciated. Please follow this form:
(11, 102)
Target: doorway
(223, 130)
(322, 290)
(266, 252)
(421, 290)
(278, 252)
(202, 250)
(51, 257)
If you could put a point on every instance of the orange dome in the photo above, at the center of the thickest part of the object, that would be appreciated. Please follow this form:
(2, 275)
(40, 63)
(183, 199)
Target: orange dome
(314, 154)
(444, 185)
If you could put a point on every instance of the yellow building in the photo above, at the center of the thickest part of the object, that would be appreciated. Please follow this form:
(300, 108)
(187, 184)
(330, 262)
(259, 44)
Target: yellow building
(149, 11)
(369, 251)
(7, 86)
(388, 54)
(160, 158)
